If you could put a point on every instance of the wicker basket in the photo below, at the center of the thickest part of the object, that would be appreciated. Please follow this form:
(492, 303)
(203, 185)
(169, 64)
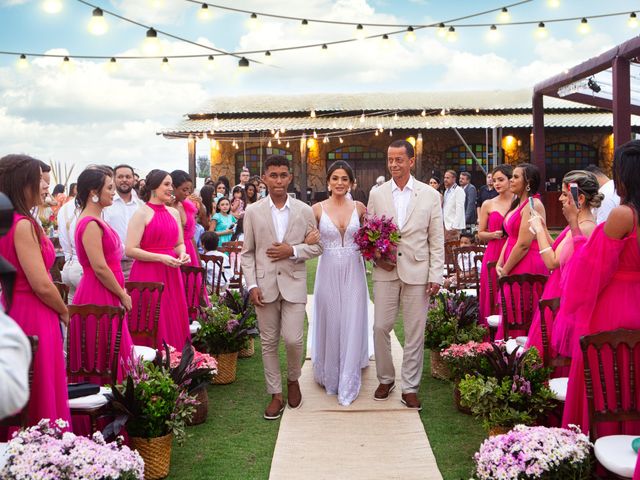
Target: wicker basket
(456, 401)
(227, 365)
(202, 409)
(249, 349)
(156, 453)
(439, 368)
(498, 430)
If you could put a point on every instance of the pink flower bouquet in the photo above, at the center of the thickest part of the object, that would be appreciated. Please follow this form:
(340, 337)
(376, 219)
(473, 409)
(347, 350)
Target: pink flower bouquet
(465, 358)
(378, 239)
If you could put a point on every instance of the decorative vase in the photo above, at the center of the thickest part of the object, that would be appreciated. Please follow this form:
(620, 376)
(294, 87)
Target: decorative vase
(456, 400)
(248, 350)
(156, 453)
(439, 368)
(498, 430)
(202, 409)
(227, 365)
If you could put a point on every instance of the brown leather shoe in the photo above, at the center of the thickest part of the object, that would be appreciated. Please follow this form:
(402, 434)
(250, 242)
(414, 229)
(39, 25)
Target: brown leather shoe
(410, 400)
(383, 391)
(274, 409)
(294, 396)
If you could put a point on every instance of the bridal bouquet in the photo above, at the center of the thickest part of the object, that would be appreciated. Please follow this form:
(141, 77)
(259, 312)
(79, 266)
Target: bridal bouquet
(378, 239)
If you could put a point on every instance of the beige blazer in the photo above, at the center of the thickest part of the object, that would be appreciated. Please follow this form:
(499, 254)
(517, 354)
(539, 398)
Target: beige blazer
(421, 246)
(286, 277)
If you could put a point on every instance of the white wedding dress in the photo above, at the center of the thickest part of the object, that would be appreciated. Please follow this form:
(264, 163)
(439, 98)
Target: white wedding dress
(340, 322)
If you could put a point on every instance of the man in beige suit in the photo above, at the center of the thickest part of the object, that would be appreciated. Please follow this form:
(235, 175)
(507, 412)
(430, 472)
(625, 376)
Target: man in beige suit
(415, 208)
(273, 264)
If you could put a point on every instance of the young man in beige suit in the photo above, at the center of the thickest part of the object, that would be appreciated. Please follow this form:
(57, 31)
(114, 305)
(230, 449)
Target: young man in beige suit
(273, 264)
(415, 208)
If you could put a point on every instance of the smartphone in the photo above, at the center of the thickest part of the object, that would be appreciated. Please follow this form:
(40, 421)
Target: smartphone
(531, 206)
(573, 187)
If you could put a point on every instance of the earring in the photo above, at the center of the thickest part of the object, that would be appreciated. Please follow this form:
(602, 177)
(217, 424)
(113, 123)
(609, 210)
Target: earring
(95, 199)
(328, 189)
(528, 188)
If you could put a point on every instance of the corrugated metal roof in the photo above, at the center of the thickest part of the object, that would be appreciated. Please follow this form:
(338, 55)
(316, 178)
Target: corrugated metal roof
(415, 122)
(382, 101)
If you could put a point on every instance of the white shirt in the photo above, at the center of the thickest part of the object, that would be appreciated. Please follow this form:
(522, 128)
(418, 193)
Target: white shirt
(15, 357)
(611, 200)
(67, 219)
(453, 208)
(226, 266)
(401, 199)
(119, 214)
(280, 217)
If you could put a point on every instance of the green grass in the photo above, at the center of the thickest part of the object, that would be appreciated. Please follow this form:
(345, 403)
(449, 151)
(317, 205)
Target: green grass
(237, 443)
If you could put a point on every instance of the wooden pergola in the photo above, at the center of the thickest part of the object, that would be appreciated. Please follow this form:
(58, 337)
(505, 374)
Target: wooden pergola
(619, 60)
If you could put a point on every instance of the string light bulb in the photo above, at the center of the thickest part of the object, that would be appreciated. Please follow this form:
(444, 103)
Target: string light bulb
(340, 140)
(326, 139)
(304, 22)
(442, 30)
(324, 48)
(204, 13)
(633, 20)
(98, 25)
(315, 134)
(423, 113)
(243, 63)
(553, 3)
(165, 65)
(391, 133)
(151, 46)
(395, 116)
(269, 144)
(452, 36)
(52, 6)
(211, 62)
(22, 63)
(493, 35)
(313, 113)
(267, 57)
(541, 31)
(253, 23)
(410, 36)
(376, 133)
(362, 119)
(360, 32)
(112, 65)
(287, 145)
(504, 16)
(66, 64)
(584, 26)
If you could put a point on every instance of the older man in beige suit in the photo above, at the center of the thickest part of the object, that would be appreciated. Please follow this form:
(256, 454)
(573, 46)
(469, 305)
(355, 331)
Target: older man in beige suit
(273, 263)
(415, 208)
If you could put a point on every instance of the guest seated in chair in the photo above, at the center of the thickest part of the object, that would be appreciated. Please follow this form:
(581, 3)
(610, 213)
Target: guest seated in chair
(210, 244)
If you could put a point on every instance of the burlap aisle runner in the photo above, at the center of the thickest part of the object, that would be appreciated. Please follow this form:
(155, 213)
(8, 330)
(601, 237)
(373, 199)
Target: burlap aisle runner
(367, 440)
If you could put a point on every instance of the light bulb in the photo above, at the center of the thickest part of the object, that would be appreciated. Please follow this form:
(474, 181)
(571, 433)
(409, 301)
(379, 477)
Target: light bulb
(269, 144)
(66, 64)
(553, 3)
(204, 13)
(360, 32)
(633, 20)
(165, 65)
(243, 63)
(504, 16)
(52, 6)
(326, 139)
(584, 26)
(541, 31)
(376, 133)
(442, 30)
(151, 45)
(362, 118)
(341, 140)
(98, 25)
(211, 62)
(410, 36)
(324, 48)
(112, 66)
(391, 133)
(395, 116)
(313, 113)
(267, 57)
(287, 144)
(452, 36)
(23, 63)
(493, 35)
(315, 134)
(253, 23)
(385, 41)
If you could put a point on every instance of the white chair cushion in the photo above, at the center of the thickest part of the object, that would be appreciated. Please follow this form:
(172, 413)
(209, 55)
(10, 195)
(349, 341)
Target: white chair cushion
(147, 354)
(90, 401)
(494, 321)
(511, 345)
(194, 327)
(3, 454)
(558, 387)
(614, 453)
(522, 340)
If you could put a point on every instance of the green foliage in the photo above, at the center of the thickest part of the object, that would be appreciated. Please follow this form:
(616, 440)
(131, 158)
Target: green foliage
(204, 167)
(452, 319)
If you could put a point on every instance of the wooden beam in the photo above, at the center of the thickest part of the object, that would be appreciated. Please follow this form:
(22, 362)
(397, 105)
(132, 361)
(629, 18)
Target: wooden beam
(599, 102)
(191, 149)
(538, 138)
(621, 102)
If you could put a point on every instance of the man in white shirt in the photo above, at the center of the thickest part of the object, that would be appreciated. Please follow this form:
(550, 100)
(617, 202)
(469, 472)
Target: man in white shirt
(125, 204)
(244, 178)
(72, 270)
(453, 207)
(607, 188)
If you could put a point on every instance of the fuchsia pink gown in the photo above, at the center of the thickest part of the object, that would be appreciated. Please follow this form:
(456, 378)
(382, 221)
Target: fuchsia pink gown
(48, 397)
(189, 231)
(605, 281)
(91, 290)
(161, 236)
(491, 254)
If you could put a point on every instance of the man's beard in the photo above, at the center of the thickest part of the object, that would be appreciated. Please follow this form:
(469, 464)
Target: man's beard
(124, 189)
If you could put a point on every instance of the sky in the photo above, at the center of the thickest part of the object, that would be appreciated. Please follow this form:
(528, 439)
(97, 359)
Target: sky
(86, 114)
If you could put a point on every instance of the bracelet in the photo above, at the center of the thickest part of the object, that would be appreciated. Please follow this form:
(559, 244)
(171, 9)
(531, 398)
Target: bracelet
(544, 250)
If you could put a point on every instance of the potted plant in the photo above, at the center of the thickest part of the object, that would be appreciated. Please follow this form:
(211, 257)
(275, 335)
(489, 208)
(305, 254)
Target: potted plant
(452, 318)
(535, 453)
(192, 371)
(47, 450)
(515, 391)
(222, 335)
(239, 303)
(153, 410)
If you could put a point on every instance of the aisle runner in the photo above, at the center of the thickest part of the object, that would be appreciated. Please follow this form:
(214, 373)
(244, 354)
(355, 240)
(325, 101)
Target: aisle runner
(367, 440)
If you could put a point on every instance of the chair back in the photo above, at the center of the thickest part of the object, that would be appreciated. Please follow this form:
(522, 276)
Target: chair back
(233, 249)
(548, 311)
(194, 285)
(612, 376)
(63, 290)
(467, 266)
(492, 277)
(93, 342)
(143, 318)
(216, 264)
(520, 295)
(449, 257)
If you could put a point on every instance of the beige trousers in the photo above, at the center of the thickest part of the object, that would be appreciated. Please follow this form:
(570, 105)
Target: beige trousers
(276, 319)
(71, 274)
(388, 296)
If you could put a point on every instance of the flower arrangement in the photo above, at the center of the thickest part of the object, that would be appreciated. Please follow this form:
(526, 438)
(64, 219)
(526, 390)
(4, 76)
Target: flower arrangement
(189, 369)
(221, 331)
(452, 318)
(378, 239)
(466, 358)
(515, 389)
(239, 303)
(535, 453)
(47, 451)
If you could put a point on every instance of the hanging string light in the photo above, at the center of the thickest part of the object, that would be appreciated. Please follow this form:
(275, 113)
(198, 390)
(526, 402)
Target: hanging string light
(340, 139)
(553, 3)
(315, 134)
(395, 116)
(410, 36)
(287, 145)
(22, 62)
(633, 20)
(324, 48)
(165, 65)
(452, 36)
(360, 32)
(504, 15)
(326, 139)
(243, 63)
(313, 113)
(98, 25)
(112, 65)
(541, 31)
(52, 6)
(584, 26)
(423, 113)
(493, 35)
(253, 23)
(211, 62)
(376, 133)
(66, 64)
(151, 46)
(442, 30)
(204, 13)
(269, 144)
(362, 119)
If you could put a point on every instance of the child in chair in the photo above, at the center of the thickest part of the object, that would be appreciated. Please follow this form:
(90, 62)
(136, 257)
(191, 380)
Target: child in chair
(210, 245)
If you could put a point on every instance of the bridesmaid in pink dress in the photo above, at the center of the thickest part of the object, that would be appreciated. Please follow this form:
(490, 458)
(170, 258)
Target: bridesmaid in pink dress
(520, 253)
(155, 242)
(36, 304)
(607, 271)
(490, 231)
(99, 252)
(557, 254)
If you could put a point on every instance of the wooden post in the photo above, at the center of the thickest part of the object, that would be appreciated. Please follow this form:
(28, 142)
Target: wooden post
(538, 139)
(304, 156)
(191, 148)
(621, 102)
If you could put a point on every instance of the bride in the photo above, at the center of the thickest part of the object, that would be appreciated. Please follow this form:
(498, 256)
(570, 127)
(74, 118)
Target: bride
(340, 341)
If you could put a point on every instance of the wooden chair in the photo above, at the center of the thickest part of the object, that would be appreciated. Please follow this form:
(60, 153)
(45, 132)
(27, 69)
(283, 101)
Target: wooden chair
(233, 249)
(548, 310)
(194, 286)
(467, 267)
(449, 257)
(520, 295)
(610, 358)
(63, 290)
(103, 363)
(216, 263)
(144, 315)
(494, 321)
(21, 419)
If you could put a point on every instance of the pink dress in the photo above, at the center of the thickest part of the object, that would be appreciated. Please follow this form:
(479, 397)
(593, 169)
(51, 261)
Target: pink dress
(636, 472)
(160, 236)
(531, 263)
(491, 254)
(91, 290)
(189, 231)
(607, 271)
(48, 398)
